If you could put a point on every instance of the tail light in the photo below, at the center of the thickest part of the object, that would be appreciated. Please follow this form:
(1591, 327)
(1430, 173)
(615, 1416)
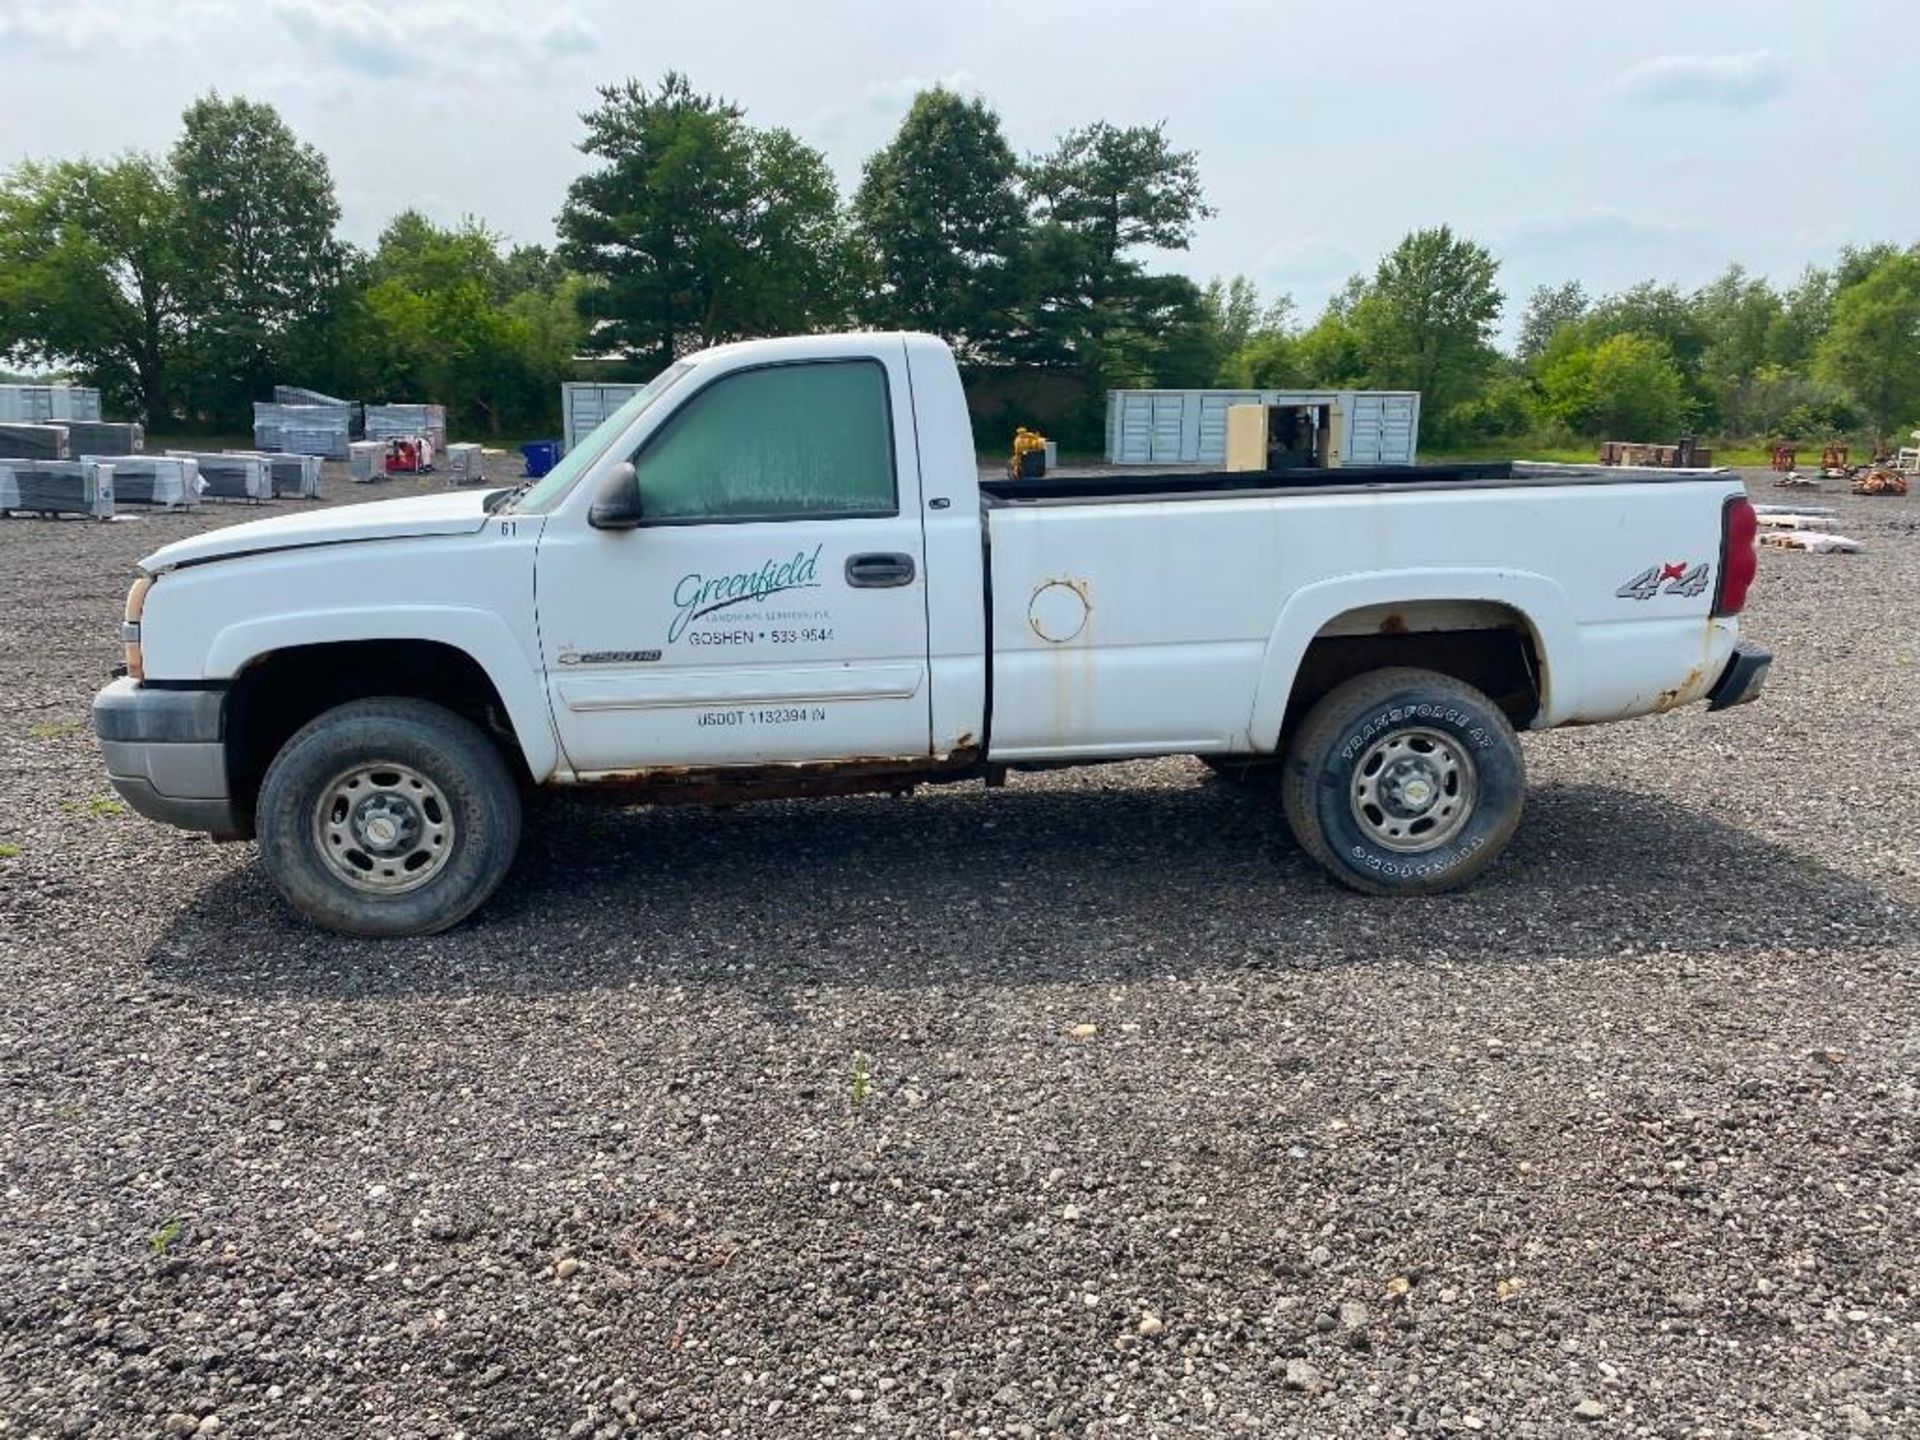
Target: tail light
(1739, 555)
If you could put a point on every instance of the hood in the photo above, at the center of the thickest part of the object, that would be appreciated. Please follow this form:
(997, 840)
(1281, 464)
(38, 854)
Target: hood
(458, 512)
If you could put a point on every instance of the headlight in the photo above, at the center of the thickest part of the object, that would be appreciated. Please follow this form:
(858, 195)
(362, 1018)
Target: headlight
(130, 627)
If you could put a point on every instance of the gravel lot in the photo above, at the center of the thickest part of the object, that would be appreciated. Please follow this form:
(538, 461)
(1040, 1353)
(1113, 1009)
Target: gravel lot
(1156, 1133)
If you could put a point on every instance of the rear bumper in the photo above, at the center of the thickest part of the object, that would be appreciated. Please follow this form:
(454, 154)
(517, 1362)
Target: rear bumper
(1742, 680)
(167, 757)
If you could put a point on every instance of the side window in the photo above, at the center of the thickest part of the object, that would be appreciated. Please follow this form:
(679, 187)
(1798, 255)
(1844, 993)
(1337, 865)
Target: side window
(786, 442)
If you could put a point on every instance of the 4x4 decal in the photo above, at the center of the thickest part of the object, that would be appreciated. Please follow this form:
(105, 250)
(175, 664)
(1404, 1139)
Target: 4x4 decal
(1679, 578)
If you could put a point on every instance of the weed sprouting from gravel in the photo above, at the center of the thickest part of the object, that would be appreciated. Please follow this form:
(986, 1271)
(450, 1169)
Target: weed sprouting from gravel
(97, 805)
(9, 851)
(160, 1240)
(862, 1078)
(54, 729)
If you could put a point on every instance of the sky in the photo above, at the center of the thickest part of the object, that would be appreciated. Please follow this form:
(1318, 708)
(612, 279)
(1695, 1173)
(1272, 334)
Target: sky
(1608, 142)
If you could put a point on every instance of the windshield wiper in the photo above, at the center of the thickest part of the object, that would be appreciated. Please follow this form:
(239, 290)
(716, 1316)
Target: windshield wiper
(500, 500)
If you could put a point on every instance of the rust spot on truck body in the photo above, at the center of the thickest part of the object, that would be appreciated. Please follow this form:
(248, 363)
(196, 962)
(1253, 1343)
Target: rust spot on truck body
(738, 784)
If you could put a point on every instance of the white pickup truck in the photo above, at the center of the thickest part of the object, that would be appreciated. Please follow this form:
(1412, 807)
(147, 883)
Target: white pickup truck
(776, 572)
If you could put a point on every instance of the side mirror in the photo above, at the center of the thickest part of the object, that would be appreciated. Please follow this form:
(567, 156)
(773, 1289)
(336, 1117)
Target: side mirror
(616, 505)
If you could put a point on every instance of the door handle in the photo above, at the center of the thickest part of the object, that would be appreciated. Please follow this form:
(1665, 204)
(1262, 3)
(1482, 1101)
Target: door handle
(879, 570)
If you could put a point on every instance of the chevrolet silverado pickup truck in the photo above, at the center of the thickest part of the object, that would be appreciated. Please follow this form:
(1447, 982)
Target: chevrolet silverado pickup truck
(776, 572)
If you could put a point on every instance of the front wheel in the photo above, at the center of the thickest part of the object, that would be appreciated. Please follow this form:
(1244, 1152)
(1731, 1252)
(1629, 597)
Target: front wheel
(1404, 782)
(388, 817)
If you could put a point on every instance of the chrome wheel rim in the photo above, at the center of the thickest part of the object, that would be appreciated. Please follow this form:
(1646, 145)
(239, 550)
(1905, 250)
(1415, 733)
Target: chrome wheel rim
(1414, 790)
(383, 827)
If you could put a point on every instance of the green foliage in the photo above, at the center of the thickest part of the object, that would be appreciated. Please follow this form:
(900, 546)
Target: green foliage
(1506, 408)
(452, 319)
(1104, 193)
(54, 729)
(9, 851)
(257, 214)
(1426, 322)
(161, 1240)
(1550, 309)
(91, 273)
(941, 224)
(1624, 388)
(699, 227)
(1872, 348)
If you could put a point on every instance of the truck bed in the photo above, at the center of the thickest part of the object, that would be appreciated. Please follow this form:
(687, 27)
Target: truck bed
(1121, 487)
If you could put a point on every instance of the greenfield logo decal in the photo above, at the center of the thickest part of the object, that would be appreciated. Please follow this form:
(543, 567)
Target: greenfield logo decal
(696, 594)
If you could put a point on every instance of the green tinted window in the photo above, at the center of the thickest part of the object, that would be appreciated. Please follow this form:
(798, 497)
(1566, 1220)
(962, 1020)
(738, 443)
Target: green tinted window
(784, 442)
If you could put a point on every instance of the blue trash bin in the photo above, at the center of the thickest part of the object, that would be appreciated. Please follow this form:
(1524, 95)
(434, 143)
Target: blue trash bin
(542, 456)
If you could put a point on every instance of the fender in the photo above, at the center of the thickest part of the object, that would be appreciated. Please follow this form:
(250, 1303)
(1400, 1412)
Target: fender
(483, 636)
(1308, 610)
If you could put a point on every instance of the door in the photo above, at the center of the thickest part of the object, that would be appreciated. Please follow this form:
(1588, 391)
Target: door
(772, 605)
(1365, 430)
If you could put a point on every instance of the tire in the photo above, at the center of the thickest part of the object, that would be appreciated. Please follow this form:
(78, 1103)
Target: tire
(1370, 772)
(388, 817)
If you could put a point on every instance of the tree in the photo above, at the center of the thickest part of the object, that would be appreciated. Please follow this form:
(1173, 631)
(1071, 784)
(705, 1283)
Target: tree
(1739, 313)
(1873, 345)
(1657, 311)
(941, 223)
(1550, 309)
(699, 228)
(1104, 193)
(1244, 336)
(91, 275)
(1426, 322)
(452, 327)
(257, 215)
(1626, 387)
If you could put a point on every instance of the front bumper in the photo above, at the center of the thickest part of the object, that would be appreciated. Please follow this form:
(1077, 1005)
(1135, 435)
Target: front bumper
(167, 757)
(1742, 680)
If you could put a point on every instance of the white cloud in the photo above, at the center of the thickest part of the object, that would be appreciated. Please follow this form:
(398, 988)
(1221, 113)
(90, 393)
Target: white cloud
(1751, 77)
(392, 40)
(82, 27)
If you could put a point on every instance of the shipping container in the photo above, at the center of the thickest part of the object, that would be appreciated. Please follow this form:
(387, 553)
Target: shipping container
(1189, 427)
(583, 406)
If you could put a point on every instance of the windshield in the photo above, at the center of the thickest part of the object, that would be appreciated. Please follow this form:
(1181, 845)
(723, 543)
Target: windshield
(577, 461)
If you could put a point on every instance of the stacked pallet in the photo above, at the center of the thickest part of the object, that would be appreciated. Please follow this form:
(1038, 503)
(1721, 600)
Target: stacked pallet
(230, 475)
(169, 480)
(303, 429)
(33, 441)
(105, 437)
(401, 422)
(57, 487)
(37, 404)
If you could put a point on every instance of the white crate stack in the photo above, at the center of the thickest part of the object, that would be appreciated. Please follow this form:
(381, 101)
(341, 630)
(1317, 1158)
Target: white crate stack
(230, 475)
(466, 465)
(367, 461)
(57, 487)
(37, 404)
(170, 481)
(401, 422)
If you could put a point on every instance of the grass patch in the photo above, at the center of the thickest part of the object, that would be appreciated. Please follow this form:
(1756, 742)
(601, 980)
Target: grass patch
(54, 729)
(100, 805)
(9, 851)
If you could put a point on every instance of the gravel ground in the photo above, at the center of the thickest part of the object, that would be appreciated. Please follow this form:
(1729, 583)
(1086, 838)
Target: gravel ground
(1084, 1107)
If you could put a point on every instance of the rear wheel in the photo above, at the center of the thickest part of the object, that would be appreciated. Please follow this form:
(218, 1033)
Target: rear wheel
(388, 817)
(1404, 782)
